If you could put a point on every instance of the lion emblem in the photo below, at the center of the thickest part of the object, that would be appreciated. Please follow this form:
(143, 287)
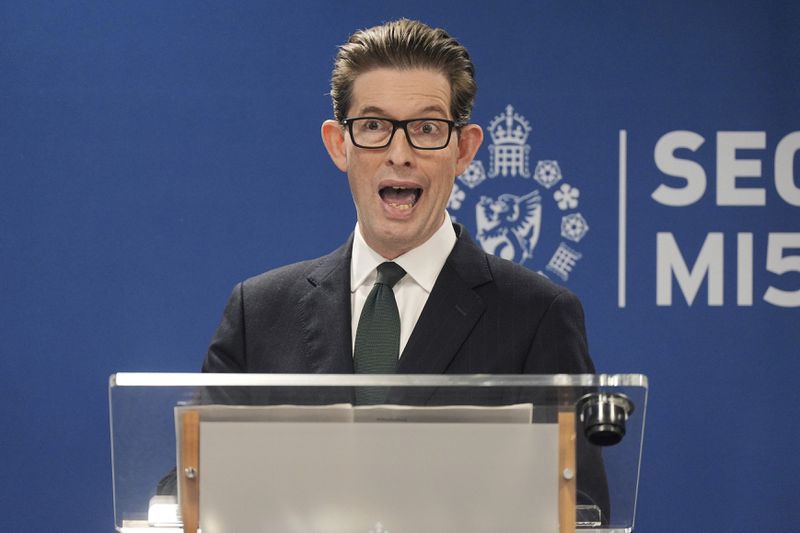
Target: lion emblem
(509, 225)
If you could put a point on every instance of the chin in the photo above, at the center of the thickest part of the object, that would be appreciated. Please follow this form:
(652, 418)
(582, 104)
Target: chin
(398, 242)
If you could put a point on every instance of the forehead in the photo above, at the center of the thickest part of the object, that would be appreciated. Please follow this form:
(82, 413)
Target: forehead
(401, 93)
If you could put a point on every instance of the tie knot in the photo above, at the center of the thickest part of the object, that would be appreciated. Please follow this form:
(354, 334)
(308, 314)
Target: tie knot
(389, 273)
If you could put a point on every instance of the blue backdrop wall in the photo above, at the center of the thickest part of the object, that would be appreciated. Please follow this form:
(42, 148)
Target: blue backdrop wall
(152, 154)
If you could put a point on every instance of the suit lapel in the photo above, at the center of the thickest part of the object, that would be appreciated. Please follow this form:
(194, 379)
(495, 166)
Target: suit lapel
(325, 309)
(451, 311)
(450, 314)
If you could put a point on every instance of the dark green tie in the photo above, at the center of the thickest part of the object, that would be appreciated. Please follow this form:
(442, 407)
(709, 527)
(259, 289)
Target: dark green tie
(377, 346)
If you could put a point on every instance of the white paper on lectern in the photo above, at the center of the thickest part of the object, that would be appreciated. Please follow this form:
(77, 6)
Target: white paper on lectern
(410, 477)
(521, 413)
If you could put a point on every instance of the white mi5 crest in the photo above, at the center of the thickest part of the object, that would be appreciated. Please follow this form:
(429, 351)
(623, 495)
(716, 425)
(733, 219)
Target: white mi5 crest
(515, 211)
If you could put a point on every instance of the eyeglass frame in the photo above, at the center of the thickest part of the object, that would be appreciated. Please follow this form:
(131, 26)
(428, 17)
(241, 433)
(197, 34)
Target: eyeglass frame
(402, 125)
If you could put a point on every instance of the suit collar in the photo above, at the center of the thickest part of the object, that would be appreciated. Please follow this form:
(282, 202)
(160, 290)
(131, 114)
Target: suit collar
(330, 265)
(469, 260)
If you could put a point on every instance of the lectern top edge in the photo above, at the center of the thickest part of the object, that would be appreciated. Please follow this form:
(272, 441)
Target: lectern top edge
(166, 379)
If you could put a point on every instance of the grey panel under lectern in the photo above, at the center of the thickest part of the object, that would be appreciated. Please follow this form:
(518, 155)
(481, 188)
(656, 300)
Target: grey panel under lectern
(391, 477)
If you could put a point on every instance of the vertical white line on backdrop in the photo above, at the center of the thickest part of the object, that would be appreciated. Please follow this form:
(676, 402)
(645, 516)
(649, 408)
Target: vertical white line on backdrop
(623, 206)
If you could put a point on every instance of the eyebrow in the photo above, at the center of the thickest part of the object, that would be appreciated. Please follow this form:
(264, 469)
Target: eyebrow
(369, 110)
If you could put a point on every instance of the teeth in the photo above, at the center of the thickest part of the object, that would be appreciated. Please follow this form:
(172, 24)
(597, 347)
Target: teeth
(400, 190)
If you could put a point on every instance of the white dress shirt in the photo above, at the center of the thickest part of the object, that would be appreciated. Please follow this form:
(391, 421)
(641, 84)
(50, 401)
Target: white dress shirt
(422, 266)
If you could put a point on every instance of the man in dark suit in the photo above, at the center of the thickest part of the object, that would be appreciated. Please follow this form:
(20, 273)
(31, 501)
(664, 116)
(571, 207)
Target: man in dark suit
(402, 96)
(460, 310)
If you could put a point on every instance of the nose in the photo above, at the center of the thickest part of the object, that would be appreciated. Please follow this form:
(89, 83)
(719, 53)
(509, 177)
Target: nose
(400, 151)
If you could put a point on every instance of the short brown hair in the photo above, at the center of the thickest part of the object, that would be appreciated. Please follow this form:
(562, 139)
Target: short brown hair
(404, 44)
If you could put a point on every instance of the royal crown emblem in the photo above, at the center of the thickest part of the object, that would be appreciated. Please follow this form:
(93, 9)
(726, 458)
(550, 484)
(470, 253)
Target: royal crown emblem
(509, 149)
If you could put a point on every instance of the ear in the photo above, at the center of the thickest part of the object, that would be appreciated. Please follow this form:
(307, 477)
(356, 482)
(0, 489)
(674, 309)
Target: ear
(468, 143)
(333, 139)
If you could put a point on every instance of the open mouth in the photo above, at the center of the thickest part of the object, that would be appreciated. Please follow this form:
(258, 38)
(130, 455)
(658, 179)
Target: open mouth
(400, 197)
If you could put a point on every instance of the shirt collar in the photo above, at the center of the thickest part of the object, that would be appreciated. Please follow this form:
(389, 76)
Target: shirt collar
(422, 264)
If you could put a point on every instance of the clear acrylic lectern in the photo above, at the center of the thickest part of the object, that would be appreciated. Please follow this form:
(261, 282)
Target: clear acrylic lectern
(224, 453)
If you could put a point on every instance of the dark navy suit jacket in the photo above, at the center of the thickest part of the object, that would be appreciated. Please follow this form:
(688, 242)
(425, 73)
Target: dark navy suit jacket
(484, 315)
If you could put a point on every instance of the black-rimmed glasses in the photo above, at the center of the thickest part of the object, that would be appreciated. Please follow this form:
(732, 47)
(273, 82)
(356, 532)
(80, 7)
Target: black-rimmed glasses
(421, 133)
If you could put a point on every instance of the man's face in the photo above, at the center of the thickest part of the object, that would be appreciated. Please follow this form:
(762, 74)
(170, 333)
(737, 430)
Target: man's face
(400, 192)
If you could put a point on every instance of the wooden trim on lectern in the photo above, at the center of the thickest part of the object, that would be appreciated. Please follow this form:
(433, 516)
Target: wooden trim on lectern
(566, 472)
(190, 463)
